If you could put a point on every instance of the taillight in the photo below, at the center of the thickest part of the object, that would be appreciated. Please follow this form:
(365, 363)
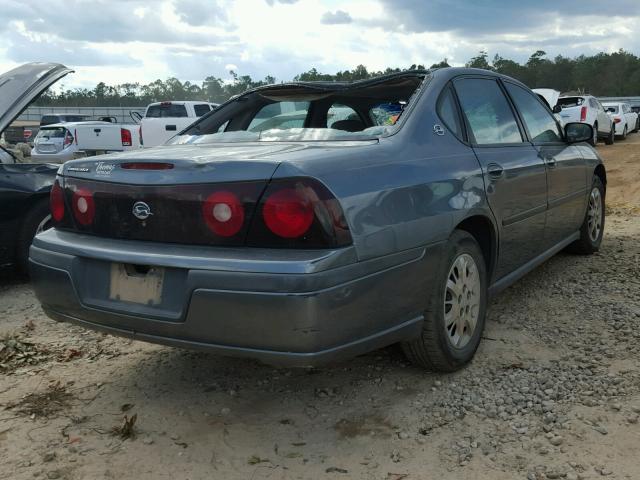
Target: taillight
(617, 120)
(68, 139)
(583, 114)
(125, 136)
(298, 213)
(56, 202)
(26, 133)
(147, 166)
(288, 213)
(223, 213)
(84, 207)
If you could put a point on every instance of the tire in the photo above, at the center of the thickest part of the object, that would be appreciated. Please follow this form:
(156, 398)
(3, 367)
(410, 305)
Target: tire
(435, 349)
(594, 140)
(612, 136)
(590, 240)
(637, 125)
(37, 218)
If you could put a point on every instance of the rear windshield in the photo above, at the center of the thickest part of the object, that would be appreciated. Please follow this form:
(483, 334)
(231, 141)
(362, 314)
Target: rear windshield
(166, 110)
(611, 108)
(311, 112)
(73, 118)
(48, 133)
(49, 119)
(567, 102)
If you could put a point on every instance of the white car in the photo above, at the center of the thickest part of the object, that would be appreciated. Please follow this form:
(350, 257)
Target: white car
(550, 97)
(163, 120)
(60, 142)
(587, 109)
(624, 119)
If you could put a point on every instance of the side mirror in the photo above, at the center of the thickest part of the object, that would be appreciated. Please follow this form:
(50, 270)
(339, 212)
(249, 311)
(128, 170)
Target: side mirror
(557, 109)
(578, 132)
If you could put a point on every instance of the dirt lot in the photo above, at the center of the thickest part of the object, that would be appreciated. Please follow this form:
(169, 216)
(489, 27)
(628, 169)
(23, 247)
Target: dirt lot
(553, 393)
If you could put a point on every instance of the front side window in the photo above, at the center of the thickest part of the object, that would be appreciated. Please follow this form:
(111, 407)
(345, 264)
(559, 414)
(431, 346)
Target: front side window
(486, 108)
(540, 123)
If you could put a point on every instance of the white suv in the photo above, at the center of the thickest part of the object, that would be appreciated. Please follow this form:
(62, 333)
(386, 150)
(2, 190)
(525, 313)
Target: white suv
(624, 119)
(587, 109)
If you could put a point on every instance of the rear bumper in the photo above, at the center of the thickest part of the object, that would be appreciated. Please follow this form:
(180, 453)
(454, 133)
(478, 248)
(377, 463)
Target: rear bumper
(59, 157)
(286, 308)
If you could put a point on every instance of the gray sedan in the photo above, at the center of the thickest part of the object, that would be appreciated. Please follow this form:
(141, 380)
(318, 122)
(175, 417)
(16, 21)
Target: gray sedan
(305, 223)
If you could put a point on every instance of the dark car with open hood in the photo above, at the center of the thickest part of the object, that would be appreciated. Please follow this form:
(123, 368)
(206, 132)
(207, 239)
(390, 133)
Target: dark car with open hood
(24, 187)
(304, 223)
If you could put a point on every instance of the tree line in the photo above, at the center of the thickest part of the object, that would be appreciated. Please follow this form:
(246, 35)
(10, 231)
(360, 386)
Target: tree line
(603, 74)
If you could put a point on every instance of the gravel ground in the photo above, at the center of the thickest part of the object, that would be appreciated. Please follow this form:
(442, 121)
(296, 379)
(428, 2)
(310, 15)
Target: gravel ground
(554, 391)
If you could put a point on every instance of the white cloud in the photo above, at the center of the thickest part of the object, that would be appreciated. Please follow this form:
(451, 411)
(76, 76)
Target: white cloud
(120, 41)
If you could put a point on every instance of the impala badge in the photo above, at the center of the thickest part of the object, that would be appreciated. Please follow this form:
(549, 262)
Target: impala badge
(438, 130)
(141, 210)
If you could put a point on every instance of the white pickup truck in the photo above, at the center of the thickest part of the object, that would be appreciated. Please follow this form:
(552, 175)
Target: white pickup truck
(163, 120)
(105, 137)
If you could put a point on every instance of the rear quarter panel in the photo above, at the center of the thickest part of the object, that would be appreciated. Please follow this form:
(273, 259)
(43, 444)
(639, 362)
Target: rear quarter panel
(409, 190)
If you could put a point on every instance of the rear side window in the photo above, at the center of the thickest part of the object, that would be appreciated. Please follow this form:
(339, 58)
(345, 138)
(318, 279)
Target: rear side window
(166, 110)
(448, 112)
(201, 109)
(540, 123)
(488, 112)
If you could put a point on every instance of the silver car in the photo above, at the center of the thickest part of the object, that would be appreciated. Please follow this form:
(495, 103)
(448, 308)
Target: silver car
(312, 241)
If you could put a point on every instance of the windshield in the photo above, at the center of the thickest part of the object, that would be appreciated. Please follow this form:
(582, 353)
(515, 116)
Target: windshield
(567, 102)
(320, 111)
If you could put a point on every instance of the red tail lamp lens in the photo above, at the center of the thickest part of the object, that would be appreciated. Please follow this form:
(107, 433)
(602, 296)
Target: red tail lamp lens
(125, 136)
(56, 202)
(583, 114)
(84, 208)
(223, 213)
(287, 213)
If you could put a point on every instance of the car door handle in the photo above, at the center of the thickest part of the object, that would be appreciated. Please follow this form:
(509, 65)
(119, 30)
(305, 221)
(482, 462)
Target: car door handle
(494, 170)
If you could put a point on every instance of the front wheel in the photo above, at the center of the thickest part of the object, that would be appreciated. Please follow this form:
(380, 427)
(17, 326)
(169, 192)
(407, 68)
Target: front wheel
(592, 228)
(456, 308)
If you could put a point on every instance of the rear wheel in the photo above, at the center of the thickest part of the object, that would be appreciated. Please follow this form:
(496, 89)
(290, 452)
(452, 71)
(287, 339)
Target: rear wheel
(38, 219)
(592, 229)
(456, 307)
(624, 133)
(612, 136)
(594, 140)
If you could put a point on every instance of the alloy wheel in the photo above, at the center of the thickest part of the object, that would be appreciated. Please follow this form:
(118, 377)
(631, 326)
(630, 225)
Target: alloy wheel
(594, 215)
(462, 301)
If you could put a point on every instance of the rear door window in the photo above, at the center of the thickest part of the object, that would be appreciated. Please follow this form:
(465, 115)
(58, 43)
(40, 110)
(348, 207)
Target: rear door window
(166, 110)
(201, 109)
(540, 123)
(488, 112)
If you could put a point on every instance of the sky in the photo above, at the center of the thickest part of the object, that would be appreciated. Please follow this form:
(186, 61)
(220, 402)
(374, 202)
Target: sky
(118, 41)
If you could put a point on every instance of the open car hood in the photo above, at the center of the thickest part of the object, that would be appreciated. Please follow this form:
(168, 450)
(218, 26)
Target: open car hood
(22, 85)
(549, 94)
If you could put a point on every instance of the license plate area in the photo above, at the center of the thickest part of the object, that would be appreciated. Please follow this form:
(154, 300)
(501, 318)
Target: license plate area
(141, 284)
